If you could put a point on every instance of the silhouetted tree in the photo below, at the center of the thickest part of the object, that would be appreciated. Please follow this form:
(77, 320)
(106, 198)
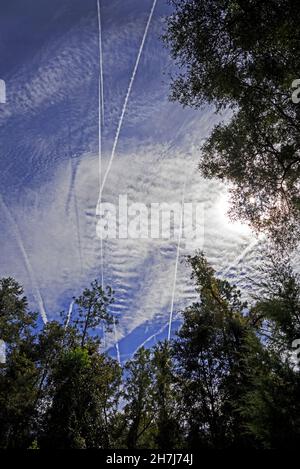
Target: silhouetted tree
(167, 408)
(93, 309)
(19, 374)
(244, 55)
(212, 362)
(139, 410)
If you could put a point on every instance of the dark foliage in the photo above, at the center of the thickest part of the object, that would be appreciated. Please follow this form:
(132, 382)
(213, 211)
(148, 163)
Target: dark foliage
(244, 55)
(226, 381)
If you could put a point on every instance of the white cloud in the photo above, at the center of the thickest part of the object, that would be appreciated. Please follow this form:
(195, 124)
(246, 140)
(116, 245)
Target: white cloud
(157, 151)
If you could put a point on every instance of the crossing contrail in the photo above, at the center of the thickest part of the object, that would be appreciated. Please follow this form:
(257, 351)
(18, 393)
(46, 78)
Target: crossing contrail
(101, 119)
(126, 103)
(152, 336)
(176, 263)
(18, 237)
(241, 255)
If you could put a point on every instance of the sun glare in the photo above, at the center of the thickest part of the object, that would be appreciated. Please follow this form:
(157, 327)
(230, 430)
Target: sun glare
(222, 209)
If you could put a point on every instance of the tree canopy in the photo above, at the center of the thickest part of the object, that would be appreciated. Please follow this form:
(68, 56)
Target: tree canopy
(226, 380)
(244, 55)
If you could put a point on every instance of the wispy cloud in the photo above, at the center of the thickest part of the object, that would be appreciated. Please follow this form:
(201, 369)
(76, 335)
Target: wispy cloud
(50, 169)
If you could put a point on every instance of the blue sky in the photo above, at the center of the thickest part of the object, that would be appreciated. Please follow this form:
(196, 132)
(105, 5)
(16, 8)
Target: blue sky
(49, 163)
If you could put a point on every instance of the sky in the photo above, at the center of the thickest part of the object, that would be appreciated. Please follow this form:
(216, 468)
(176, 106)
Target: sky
(62, 150)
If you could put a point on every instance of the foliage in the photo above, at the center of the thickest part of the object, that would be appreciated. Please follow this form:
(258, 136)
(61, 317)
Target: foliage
(243, 55)
(226, 380)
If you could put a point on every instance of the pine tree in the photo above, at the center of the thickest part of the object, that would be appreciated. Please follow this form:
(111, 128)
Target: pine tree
(167, 409)
(84, 393)
(93, 306)
(272, 406)
(18, 373)
(139, 410)
(82, 384)
(212, 354)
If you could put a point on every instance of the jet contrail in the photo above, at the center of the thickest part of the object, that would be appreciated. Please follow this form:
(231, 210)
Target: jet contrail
(69, 313)
(78, 229)
(100, 177)
(176, 263)
(100, 124)
(101, 117)
(18, 237)
(116, 342)
(101, 81)
(240, 256)
(151, 337)
(126, 102)
(72, 190)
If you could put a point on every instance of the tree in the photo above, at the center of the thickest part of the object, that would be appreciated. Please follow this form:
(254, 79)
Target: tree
(167, 408)
(83, 387)
(81, 384)
(272, 407)
(18, 375)
(16, 321)
(212, 356)
(225, 381)
(92, 309)
(279, 306)
(244, 55)
(138, 394)
(56, 389)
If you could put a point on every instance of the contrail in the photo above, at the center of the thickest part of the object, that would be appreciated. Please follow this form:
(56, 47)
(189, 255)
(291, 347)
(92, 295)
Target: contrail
(176, 263)
(240, 256)
(245, 251)
(69, 313)
(117, 343)
(151, 337)
(18, 236)
(72, 190)
(101, 118)
(100, 177)
(126, 102)
(78, 231)
(100, 123)
(101, 81)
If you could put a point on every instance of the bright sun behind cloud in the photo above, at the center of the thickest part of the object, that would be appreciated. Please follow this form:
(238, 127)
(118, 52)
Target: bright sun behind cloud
(222, 209)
